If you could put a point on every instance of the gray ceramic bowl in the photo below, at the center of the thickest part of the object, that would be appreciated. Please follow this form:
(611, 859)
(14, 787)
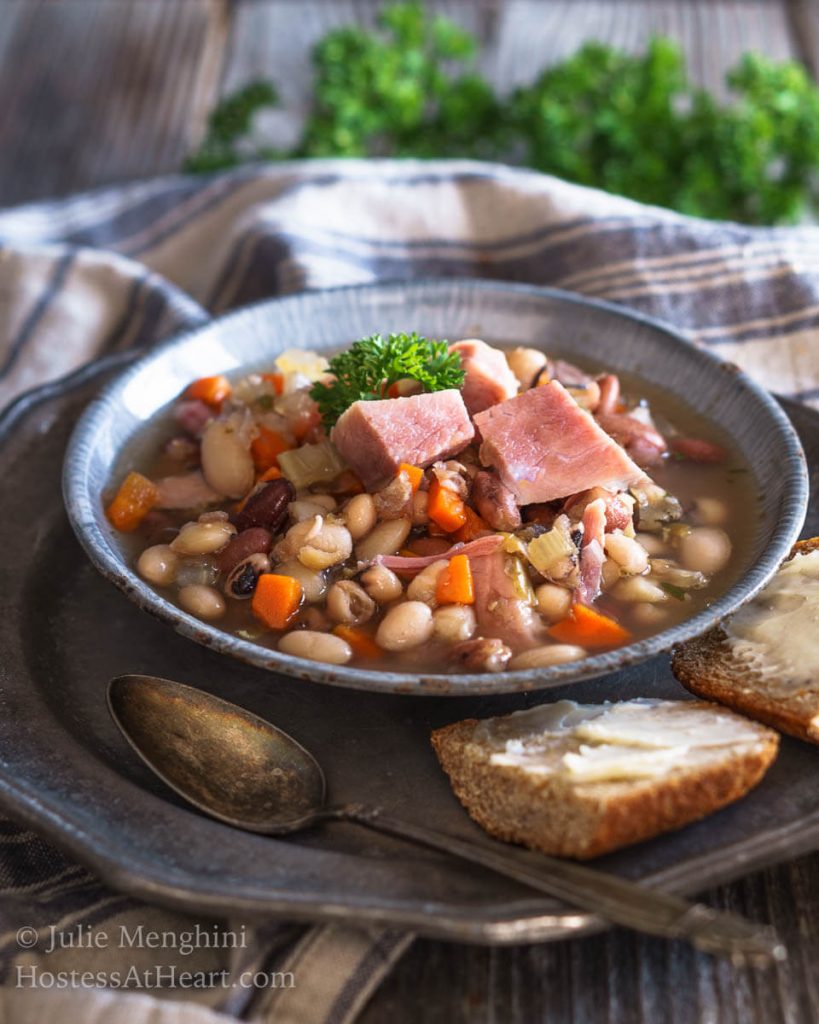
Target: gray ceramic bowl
(500, 313)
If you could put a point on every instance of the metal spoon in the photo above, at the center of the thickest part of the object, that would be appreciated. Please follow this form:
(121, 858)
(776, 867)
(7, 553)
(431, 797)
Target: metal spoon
(244, 771)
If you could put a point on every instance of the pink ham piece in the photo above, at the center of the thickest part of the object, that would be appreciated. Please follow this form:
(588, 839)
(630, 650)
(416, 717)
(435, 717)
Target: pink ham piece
(488, 377)
(498, 607)
(192, 416)
(592, 551)
(544, 447)
(376, 437)
(186, 491)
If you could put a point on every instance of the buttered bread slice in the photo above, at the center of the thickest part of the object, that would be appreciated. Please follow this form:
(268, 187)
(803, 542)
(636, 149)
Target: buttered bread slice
(581, 780)
(764, 660)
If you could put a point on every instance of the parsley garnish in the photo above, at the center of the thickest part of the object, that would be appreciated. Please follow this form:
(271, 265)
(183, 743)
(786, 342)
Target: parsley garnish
(367, 369)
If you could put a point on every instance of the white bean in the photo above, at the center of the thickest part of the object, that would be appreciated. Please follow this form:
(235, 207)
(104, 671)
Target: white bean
(454, 623)
(360, 515)
(639, 589)
(382, 584)
(525, 363)
(705, 549)
(202, 538)
(227, 464)
(545, 657)
(348, 602)
(405, 625)
(201, 601)
(327, 501)
(609, 574)
(329, 546)
(308, 643)
(425, 584)
(650, 615)
(385, 539)
(629, 554)
(158, 565)
(304, 509)
(653, 544)
(420, 503)
(709, 512)
(553, 602)
(313, 584)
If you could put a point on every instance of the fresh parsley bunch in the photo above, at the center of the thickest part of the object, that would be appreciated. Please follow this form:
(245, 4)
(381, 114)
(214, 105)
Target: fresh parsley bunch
(634, 125)
(365, 371)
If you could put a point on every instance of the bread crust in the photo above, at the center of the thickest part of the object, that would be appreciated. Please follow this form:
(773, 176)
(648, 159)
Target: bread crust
(707, 668)
(555, 815)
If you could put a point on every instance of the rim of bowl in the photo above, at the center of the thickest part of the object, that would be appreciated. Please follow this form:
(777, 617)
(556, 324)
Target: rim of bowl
(84, 511)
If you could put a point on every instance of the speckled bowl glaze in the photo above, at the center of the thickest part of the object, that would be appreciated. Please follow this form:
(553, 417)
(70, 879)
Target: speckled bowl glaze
(500, 313)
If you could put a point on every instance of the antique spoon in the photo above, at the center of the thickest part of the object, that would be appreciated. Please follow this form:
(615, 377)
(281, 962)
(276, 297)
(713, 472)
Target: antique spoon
(238, 768)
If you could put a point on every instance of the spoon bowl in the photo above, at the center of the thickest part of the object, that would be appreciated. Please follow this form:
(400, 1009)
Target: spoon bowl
(223, 759)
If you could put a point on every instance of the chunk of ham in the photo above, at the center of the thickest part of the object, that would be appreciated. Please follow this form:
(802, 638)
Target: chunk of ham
(644, 444)
(488, 377)
(192, 416)
(499, 610)
(376, 437)
(544, 447)
(592, 551)
(619, 507)
(188, 490)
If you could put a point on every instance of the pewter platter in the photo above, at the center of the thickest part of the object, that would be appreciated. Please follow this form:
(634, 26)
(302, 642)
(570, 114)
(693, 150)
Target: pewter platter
(66, 772)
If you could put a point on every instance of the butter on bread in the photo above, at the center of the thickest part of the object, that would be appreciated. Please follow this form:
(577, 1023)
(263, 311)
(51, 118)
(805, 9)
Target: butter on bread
(718, 667)
(582, 780)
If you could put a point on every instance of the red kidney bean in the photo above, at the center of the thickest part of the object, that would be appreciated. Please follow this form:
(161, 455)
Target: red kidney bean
(267, 507)
(254, 541)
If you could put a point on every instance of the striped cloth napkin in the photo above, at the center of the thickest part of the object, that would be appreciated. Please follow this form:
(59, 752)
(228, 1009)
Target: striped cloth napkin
(127, 266)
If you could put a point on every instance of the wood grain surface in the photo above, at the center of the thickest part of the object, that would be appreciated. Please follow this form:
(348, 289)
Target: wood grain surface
(98, 91)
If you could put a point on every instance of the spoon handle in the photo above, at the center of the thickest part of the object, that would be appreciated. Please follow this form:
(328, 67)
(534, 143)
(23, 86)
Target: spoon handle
(618, 900)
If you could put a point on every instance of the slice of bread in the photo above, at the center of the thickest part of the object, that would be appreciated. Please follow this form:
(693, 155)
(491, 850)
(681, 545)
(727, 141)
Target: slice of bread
(552, 779)
(708, 668)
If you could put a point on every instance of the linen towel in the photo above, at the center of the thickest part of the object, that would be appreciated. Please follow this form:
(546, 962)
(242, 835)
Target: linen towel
(128, 266)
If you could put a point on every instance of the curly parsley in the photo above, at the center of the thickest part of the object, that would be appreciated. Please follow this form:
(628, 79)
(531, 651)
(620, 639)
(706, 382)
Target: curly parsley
(634, 125)
(365, 371)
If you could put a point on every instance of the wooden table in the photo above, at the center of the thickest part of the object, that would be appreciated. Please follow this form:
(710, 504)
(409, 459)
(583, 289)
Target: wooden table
(98, 91)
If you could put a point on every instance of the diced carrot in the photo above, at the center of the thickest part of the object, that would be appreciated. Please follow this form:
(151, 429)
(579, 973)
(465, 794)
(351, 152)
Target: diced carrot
(269, 474)
(210, 390)
(445, 508)
(589, 628)
(361, 642)
(455, 582)
(276, 379)
(394, 390)
(267, 448)
(472, 528)
(415, 474)
(133, 501)
(276, 599)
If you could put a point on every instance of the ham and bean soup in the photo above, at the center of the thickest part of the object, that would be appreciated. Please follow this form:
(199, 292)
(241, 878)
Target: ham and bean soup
(418, 506)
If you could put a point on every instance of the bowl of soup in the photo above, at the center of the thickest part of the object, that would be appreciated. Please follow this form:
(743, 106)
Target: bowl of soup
(436, 487)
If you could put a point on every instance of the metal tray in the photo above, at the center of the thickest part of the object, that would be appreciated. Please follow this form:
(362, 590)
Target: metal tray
(65, 770)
